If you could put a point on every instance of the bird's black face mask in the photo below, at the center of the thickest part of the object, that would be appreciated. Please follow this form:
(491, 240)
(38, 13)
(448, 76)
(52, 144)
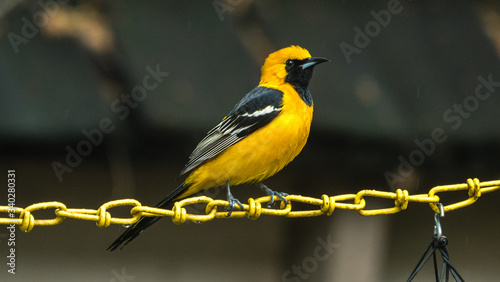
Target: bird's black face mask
(299, 73)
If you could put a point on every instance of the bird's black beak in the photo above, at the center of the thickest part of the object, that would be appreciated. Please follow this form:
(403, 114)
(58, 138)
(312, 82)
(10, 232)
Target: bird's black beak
(311, 62)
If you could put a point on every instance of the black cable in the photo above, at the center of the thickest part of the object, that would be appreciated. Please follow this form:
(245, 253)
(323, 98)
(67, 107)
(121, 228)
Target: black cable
(441, 245)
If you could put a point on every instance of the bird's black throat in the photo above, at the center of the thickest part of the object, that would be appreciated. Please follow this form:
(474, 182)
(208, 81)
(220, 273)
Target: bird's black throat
(299, 78)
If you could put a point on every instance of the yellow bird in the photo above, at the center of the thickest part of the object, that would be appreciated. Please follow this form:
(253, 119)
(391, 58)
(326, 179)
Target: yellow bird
(265, 131)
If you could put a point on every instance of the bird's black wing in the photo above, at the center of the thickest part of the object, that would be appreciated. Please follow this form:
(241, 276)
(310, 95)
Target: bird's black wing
(258, 108)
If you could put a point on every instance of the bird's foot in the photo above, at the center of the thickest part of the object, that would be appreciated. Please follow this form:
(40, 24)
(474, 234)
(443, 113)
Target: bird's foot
(232, 201)
(269, 192)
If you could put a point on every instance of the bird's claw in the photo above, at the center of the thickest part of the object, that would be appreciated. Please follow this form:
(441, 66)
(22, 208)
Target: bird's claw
(269, 192)
(232, 202)
(232, 205)
(280, 195)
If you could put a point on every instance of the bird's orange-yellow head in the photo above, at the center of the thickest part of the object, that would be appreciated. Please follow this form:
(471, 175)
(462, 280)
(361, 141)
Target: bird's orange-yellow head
(273, 70)
(289, 65)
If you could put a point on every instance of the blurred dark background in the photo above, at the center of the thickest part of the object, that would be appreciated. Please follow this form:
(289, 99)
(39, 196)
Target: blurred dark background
(410, 100)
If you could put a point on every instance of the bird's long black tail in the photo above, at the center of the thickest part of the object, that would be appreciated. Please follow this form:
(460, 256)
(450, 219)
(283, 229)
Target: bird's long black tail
(145, 222)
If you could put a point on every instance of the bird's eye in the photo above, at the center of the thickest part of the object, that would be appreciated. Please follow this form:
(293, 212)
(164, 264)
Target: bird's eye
(289, 63)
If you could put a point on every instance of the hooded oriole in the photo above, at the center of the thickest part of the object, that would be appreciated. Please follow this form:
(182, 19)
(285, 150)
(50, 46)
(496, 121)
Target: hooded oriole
(265, 131)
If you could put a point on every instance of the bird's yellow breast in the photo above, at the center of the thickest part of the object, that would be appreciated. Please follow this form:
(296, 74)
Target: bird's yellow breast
(261, 154)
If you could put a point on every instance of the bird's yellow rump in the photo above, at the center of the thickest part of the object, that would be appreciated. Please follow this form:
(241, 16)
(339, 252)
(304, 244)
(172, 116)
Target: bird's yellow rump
(264, 132)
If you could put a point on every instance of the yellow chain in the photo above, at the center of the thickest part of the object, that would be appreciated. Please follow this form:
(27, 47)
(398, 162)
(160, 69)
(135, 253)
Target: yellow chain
(253, 210)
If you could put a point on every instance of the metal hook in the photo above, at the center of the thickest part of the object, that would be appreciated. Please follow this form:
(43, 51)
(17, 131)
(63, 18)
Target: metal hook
(438, 231)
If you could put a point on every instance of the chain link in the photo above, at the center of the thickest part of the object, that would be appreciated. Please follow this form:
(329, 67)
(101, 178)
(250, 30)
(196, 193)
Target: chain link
(215, 208)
